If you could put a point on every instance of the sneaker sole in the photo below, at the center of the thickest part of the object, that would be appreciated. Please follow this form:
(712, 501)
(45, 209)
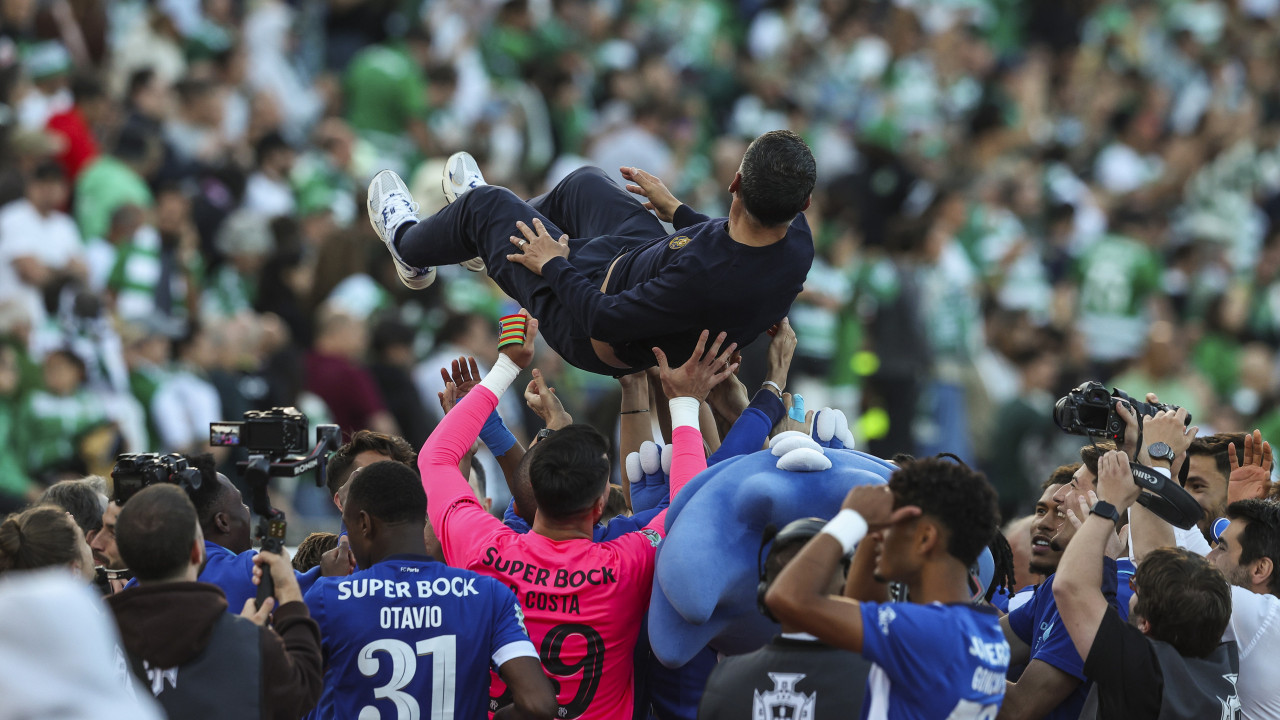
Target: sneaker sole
(382, 183)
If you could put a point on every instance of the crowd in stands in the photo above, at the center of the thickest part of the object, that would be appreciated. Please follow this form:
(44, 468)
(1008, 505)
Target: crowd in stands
(1012, 198)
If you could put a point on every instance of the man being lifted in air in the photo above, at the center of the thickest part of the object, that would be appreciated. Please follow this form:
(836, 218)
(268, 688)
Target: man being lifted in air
(599, 271)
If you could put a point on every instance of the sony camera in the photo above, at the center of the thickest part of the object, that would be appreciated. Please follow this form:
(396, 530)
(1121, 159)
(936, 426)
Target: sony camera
(1091, 411)
(135, 471)
(277, 433)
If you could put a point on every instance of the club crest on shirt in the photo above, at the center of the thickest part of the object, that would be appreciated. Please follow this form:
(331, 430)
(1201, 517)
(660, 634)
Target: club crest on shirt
(678, 242)
(783, 702)
(654, 537)
(884, 617)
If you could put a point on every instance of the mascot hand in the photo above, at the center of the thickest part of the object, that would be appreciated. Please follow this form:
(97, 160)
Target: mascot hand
(649, 473)
(831, 430)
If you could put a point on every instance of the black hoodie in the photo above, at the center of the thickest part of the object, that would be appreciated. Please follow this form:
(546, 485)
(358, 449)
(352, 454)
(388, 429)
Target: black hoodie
(168, 625)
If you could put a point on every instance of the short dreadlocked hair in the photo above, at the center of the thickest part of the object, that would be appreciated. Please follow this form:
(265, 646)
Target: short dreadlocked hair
(958, 498)
(1003, 578)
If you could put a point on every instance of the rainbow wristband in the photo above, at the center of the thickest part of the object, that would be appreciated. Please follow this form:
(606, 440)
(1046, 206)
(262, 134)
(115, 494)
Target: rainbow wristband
(512, 330)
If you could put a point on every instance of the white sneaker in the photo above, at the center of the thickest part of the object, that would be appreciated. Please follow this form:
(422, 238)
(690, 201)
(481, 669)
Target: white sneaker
(390, 206)
(462, 174)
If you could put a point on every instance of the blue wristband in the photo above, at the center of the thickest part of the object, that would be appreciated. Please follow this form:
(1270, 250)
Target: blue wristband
(496, 436)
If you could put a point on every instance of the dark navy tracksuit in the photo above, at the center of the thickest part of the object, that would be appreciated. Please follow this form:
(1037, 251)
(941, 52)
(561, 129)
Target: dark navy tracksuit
(664, 291)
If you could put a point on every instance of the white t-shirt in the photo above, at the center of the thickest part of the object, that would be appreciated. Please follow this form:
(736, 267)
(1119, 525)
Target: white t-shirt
(1255, 627)
(52, 240)
(1119, 169)
(1192, 539)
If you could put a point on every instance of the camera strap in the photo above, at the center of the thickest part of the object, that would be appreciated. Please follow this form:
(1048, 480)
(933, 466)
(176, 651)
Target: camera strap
(1166, 498)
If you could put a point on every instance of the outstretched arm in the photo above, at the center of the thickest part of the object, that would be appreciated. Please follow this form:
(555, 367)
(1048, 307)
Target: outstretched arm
(751, 430)
(494, 434)
(635, 424)
(438, 462)
(542, 401)
(655, 193)
(797, 596)
(1077, 585)
(687, 386)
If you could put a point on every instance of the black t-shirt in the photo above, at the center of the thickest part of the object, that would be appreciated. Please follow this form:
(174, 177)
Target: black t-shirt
(787, 678)
(1123, 664)
(1130, 671)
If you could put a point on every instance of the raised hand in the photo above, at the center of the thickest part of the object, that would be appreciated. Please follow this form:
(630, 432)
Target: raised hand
(544, 402)
(789, 422)
(1076, 516)
(658, 198)
(705, 368)
(1252, 479)
(875, 504)
(1115, 480)
(729, 398)
(338, 562)
(781, 349)
(649, 471)
(522, 355)
(465, 376)
(537, 246)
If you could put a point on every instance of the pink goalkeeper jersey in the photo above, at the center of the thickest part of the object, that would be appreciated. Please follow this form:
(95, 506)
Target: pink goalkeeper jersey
(583, 600)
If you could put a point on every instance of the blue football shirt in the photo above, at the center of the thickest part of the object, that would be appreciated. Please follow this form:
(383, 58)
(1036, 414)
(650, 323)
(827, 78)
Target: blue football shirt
(1038, 624)
(933, 661)
(414, 639)
(230, 571)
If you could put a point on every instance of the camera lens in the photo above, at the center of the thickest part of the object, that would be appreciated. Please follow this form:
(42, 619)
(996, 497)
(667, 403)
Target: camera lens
(1062, 413)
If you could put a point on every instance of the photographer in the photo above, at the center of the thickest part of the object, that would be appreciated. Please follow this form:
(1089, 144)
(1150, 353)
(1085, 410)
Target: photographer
(1169, 663)
(227, 530)
(105, 553)
(199, 660)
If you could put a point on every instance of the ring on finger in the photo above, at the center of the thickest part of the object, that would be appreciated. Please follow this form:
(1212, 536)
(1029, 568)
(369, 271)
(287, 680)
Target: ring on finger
(522, 243)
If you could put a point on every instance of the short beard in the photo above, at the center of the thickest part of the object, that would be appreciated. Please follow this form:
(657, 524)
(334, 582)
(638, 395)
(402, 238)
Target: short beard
(1239, 577)
(1046, 569)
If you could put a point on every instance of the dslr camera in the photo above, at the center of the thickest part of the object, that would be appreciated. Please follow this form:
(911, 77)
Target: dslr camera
(278, 447)
(135, 471)
(276, 433)
(1090, 410)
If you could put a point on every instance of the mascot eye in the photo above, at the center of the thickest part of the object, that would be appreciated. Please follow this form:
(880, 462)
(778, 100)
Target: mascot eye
(784, 445)
(804, 459)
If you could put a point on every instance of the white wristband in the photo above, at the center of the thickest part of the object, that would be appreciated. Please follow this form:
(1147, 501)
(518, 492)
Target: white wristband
(1164, 471)
(684, 412)
(847, 527)
(504, 373)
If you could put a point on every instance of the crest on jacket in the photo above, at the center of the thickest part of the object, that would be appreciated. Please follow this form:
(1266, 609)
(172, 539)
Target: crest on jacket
(783, 702)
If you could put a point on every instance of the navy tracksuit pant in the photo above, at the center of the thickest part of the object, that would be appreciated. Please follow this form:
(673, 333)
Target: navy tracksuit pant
(601, 219)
